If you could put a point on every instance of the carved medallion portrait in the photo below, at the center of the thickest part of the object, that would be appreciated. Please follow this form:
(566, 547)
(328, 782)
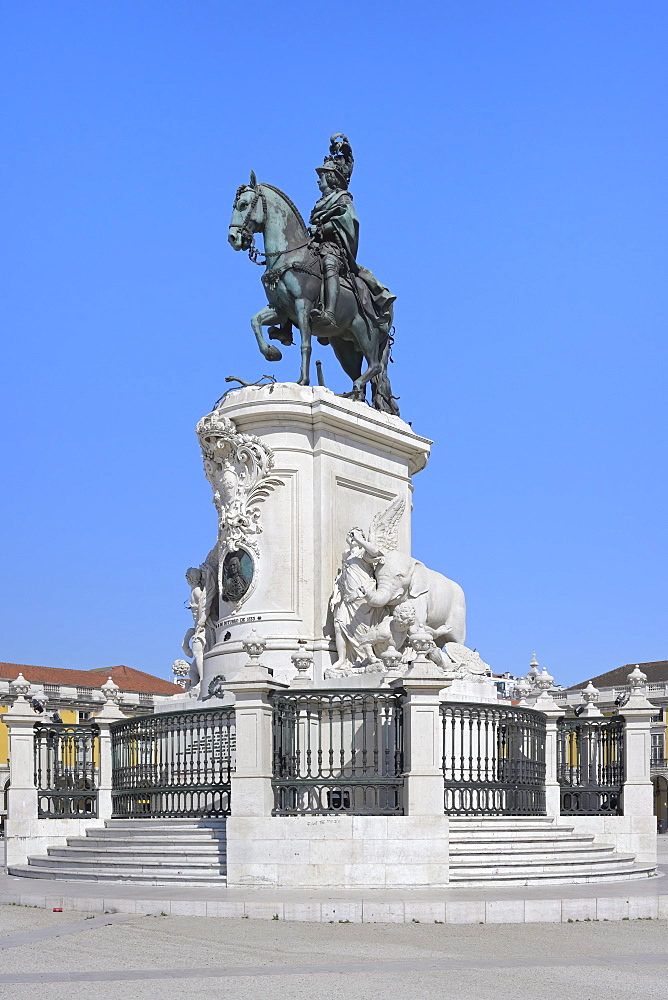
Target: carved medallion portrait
(237, 575)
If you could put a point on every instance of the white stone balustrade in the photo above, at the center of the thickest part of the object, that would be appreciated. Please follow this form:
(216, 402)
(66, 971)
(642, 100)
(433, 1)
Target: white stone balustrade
(338, 850)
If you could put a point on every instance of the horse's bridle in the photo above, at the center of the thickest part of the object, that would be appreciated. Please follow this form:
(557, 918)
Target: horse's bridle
(245, 228)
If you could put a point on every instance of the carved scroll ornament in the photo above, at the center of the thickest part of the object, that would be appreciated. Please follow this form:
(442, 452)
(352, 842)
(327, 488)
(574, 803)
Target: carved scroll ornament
(238, 468)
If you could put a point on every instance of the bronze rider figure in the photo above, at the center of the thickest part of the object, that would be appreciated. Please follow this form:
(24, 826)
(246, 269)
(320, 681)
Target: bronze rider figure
(334, 226)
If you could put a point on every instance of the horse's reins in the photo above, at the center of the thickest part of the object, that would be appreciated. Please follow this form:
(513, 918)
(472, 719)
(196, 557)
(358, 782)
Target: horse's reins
(245, 230)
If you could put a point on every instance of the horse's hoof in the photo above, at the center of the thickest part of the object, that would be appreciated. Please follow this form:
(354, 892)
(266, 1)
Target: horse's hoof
(304, 381)
(272, 353)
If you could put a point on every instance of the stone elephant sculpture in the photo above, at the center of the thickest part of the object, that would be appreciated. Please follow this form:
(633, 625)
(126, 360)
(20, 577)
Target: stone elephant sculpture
(439, 603)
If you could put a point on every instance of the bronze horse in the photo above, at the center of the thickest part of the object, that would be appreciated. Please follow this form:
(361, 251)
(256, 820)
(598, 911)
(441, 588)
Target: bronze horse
(292, 283)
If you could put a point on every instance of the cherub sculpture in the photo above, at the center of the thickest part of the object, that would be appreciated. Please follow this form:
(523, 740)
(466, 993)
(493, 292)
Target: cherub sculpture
(203, 581)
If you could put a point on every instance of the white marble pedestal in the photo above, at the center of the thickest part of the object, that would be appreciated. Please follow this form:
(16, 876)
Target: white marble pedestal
(339, 462)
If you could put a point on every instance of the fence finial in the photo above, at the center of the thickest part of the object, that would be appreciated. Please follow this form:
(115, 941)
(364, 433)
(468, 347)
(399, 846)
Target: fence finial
(637, 680)
(303, 661)
(20, 687)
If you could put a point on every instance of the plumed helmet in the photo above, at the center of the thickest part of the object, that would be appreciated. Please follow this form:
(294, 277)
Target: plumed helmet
(339, 160)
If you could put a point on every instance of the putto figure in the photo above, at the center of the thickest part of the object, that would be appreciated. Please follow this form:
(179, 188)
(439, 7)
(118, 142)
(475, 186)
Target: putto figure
(312, 278)
(203, 582)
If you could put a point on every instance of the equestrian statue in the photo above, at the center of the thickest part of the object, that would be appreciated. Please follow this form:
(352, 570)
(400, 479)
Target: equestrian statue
(313, 281)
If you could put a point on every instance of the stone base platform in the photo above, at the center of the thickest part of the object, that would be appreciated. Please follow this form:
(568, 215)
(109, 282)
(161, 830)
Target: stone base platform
(645, 899)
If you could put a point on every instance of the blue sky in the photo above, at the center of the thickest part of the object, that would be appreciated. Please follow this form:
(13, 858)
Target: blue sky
(510, 180)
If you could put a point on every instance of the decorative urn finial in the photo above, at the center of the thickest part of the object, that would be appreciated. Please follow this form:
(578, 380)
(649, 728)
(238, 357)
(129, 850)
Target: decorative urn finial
(544, 681)
(637, 680)
(20, 687)
(254, 646)
(522, 689)
(303, 661)
(181, 671)
(392, 660)
(111, 691)
(421, 641)
(533, 672)
(590, 693)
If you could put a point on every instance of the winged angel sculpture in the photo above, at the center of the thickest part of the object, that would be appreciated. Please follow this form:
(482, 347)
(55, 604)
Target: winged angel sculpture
(381, 595)
(353, 616)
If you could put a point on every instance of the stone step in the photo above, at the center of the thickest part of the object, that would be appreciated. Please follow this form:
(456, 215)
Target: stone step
(488, 841)
(614, 862)
(152, 851)
(175, 858)
(531, 877)
(530, 850)
(496, 850)
(153, 844)
(545, 833)
(476, 825)
(154, 836)
(544, 820)
(165, 824)
(75, 874)
(523, 860)
(192, 867)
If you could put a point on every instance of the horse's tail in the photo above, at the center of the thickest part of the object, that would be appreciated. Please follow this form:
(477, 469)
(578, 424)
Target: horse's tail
(381, 390)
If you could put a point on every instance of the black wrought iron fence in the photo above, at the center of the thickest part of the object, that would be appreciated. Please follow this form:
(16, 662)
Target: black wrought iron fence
(174, 764)
(65, 759)
(338, 752)
(590, 766)
(493, 760)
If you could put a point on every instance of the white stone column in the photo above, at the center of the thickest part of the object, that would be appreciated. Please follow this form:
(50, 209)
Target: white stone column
(252, 794)
(22, 794)
(638, 711)
(423, 732)
(110, 713)
(546, 704)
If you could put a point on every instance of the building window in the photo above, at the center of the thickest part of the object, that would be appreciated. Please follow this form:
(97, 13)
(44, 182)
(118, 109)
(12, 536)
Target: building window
(85, 716)
(658, 746)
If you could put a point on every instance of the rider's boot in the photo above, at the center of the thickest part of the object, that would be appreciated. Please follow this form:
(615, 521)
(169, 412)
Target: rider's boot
(282, 333)
(330, 288)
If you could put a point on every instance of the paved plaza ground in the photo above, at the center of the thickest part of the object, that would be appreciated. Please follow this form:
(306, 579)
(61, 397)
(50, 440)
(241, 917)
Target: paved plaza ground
(131, 956)
(144, 957)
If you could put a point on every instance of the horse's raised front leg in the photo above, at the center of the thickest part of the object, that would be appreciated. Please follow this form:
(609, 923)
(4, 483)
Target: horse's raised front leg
(303, 316)
(266, 317)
